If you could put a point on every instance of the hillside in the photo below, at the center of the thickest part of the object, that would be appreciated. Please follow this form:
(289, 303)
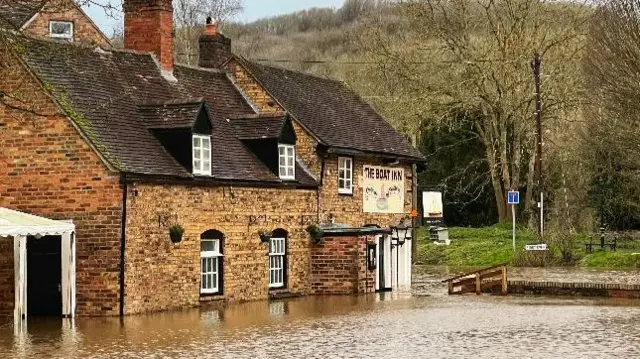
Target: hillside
(311, 35)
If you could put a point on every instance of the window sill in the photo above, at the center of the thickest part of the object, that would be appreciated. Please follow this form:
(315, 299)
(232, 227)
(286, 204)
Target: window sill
(62, 38)
(347, 194)
(212, 297)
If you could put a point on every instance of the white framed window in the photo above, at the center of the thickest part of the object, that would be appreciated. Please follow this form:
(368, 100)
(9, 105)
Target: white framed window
(210, 265)
(345, 175)
(61, 30)
(202, 155)
(287, 161)
(277, 253)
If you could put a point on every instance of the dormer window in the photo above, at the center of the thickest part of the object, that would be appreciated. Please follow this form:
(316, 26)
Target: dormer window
(286, 161)
(202, 155)
(61, 30)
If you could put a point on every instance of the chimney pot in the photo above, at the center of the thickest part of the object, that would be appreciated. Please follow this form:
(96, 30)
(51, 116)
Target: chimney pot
(211, 29)
(215, 48)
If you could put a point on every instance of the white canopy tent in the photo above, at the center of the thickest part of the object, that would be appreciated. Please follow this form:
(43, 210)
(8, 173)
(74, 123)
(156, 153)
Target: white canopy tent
(19, 226)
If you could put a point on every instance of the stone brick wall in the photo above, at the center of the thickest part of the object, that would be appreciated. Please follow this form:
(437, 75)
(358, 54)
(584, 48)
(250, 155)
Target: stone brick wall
(339, 266)
(306, 149)
(161, 275)
(84, 30)
(349, 208)
(46, 168)
(612, 290)
(346, 208)
(251, 89)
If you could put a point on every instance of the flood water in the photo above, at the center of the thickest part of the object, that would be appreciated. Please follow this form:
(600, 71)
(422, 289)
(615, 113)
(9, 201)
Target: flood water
(423, 324)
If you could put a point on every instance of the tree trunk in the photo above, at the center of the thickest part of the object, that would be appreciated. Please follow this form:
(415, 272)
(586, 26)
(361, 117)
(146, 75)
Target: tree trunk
(501, 201)
(528, 198)
(498, 187)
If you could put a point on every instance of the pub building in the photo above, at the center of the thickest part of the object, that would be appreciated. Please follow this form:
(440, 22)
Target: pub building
(177, 186)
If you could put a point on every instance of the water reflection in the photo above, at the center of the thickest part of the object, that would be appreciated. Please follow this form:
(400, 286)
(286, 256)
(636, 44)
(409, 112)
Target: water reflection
(389, 325)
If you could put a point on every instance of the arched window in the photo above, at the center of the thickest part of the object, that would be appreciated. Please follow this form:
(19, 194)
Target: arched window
(278, 259)
(211, 254)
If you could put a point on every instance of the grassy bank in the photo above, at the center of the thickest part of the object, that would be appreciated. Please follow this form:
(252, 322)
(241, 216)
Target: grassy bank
(488, 246)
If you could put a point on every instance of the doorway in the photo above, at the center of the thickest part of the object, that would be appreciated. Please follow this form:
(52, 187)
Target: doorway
(44, 276)
(383, 268)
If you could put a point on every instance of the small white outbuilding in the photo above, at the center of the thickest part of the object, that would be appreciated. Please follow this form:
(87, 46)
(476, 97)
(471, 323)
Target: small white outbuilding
(22, 227)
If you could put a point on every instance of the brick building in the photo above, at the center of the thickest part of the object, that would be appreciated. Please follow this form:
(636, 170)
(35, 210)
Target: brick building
(256, 164)
(57, 19)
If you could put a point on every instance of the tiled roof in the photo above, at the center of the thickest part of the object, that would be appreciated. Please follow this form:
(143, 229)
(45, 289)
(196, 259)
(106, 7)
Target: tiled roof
(18, 12)
(333, 113)
(115, 97)
(257, 128)
(171, 114)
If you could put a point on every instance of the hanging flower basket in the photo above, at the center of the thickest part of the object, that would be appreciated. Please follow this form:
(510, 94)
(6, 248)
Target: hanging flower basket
(265, 236)
(175, 233)
(315, 232)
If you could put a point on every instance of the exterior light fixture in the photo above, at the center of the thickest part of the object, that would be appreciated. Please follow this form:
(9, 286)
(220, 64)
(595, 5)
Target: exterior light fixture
(400, 233)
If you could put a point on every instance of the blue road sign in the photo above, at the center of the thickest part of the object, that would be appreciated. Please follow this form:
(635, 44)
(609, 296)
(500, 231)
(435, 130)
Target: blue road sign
(513, 197)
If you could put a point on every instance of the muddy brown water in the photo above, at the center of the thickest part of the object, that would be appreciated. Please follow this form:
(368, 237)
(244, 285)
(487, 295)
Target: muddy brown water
(425, 323)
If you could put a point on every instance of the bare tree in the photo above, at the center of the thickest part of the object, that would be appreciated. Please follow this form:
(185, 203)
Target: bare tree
(190, 15)
(354, 9)
(473, 56)
(612, 69)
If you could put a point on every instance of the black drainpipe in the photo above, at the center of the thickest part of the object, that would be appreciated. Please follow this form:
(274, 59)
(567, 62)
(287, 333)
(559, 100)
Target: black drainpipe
(123, 232)
(318, 191)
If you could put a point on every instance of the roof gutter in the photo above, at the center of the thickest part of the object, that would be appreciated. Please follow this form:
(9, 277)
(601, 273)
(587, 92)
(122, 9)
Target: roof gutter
(212, 182)
(353, 152)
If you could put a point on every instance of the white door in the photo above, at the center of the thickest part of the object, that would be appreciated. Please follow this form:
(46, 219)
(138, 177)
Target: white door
(403, 267)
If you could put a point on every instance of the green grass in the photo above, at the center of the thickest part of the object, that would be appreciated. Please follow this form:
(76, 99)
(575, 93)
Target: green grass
(608, 260)
(487, 246)
(472, 246)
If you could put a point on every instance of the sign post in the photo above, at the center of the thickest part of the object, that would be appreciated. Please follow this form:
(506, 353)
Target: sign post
(513, 198)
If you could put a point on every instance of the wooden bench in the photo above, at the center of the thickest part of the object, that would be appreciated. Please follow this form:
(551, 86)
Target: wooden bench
(602, 244)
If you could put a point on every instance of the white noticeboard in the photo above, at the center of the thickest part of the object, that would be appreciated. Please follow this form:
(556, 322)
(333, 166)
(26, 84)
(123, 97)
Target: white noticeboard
(432, 205)
(383, 189)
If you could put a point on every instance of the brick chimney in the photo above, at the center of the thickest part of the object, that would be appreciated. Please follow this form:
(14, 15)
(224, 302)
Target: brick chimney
(215, 48)
(148, 27)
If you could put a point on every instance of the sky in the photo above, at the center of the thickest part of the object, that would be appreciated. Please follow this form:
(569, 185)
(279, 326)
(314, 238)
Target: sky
(253, 10)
